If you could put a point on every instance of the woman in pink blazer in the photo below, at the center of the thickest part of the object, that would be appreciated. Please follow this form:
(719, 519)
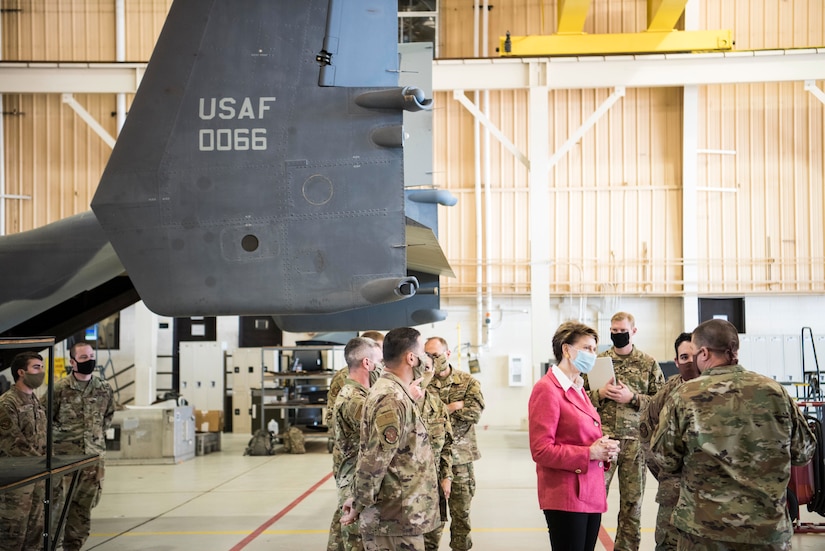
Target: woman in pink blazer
(567, 443)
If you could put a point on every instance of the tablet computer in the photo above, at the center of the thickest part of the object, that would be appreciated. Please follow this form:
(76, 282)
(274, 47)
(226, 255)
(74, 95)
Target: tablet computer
(601, 373)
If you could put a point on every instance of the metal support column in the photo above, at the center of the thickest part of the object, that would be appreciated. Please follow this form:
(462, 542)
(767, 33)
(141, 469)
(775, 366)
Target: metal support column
(540, 225)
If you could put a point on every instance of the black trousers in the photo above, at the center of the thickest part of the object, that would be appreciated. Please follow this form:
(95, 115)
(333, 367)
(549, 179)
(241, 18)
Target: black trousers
(572, 531)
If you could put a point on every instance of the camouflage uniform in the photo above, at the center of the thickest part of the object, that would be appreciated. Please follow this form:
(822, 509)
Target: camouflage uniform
(455, 387)
(437, 420)
(733, 434)
(395, 480)
(22, 434)
(642, 375)
(81, 413)
(346, 417)
(335, 542)
(335, 386)
(668, 493)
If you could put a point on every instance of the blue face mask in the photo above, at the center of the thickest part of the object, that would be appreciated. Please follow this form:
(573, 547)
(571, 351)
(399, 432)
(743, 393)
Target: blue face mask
(584, 361)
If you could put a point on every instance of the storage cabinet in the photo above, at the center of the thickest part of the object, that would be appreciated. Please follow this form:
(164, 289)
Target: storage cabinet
(202, 374)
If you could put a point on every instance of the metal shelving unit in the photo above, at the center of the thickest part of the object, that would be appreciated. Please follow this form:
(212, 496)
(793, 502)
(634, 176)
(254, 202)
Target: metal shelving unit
(289, 399)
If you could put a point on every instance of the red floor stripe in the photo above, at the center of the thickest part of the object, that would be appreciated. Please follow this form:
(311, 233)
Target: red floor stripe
(604, 538)
(244, 542)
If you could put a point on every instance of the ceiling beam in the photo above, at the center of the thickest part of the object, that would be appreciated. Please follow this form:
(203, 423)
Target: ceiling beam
(70, 78)
(616, 43)
(630, 71)
(556, 73)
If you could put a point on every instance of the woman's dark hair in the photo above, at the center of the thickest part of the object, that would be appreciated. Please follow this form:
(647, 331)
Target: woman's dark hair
(568, 333)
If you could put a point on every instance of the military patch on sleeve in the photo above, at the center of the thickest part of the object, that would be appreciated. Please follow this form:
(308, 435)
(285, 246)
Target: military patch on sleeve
(5, 425)
(391, 435)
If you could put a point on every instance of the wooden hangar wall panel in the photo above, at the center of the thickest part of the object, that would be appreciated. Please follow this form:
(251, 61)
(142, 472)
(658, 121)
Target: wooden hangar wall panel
(453, 143)
(51, 155)
(760, 212)
(59, 30)
(760, 215)
(616, 198)
(144, 21)
(766, 24)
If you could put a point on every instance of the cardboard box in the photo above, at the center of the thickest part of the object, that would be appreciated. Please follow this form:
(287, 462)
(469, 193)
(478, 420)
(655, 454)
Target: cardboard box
(208, 420)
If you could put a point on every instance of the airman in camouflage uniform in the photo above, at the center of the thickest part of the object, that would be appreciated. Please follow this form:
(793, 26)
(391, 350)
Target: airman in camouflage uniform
(337, 382)
(461, 393)
(82, 410)
(733, 435)
(668, 492)
(335, 386)
(23, 434)
(437, 420)
(638, 378)
(363, 355)
(335, 542)
(395, 478)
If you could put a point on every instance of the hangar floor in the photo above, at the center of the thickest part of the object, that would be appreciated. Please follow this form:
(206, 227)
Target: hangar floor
(224, 501)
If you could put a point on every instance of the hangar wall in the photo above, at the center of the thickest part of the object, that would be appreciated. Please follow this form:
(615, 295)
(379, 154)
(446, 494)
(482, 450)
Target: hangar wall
(51, 155)
(615, 198)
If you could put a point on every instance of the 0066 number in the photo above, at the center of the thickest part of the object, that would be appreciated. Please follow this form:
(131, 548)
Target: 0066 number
(227, 139)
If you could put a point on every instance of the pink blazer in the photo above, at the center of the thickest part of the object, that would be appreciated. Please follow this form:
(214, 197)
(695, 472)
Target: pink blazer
(563, 425)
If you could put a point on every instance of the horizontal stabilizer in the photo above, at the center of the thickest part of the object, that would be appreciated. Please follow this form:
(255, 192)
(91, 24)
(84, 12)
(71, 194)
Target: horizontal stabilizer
(49, 265)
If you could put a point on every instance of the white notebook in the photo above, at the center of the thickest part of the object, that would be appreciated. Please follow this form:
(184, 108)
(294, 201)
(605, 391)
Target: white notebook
(601, 373)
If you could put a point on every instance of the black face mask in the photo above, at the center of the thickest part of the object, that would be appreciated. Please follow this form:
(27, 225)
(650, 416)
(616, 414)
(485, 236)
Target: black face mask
(620, 340)
(86, 368)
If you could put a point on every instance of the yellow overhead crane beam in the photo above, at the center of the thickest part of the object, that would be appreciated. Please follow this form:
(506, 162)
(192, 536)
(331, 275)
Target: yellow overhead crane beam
(616, 43)
(660, 36)
(571, 16)
(662, 15)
